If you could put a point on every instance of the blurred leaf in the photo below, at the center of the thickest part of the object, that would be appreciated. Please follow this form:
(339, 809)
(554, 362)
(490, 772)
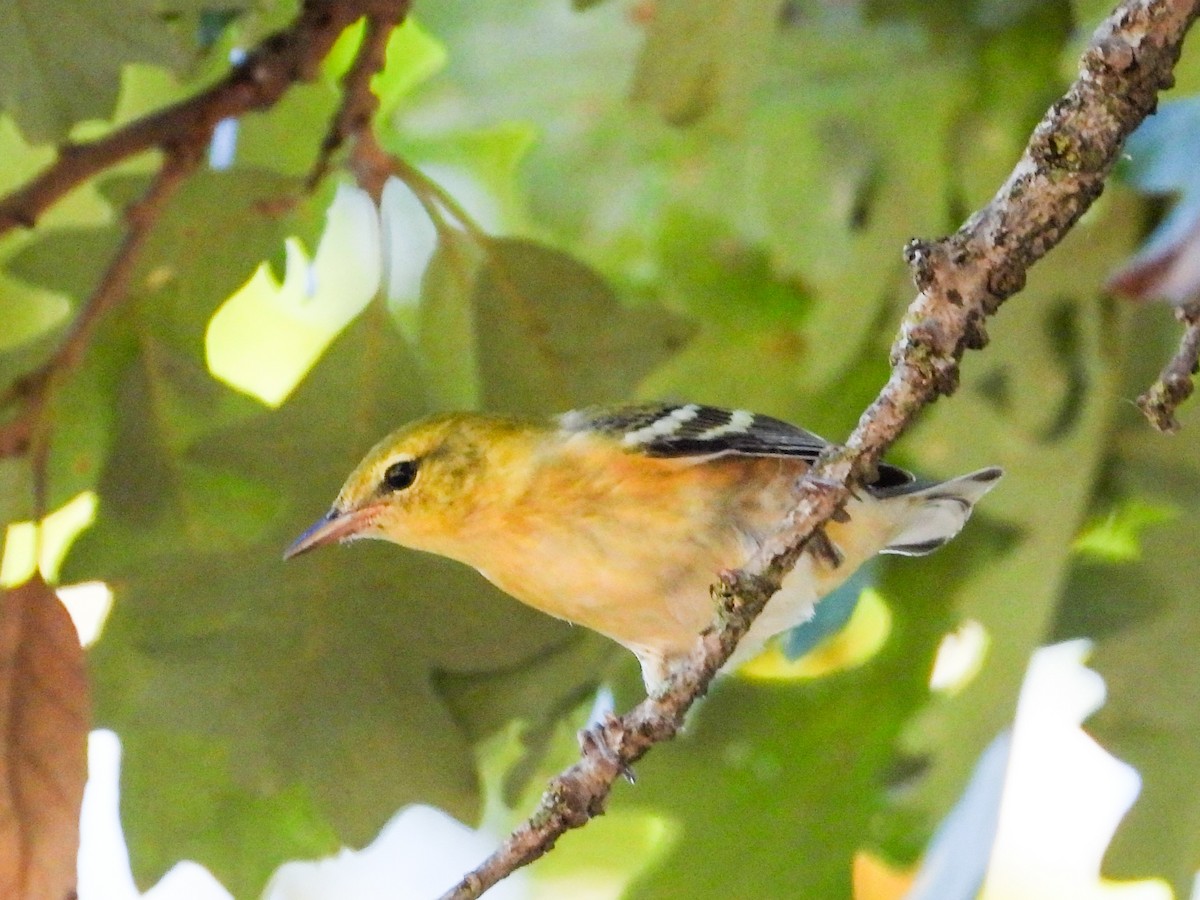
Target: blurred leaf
(817, 181)
(413, 57)
(16, 491)
(268, 334)
(28, 313)
(724, 281)
(62, 64)
(1016, 72)
(540, 695)
(197, 640)
(548, 332)
(181, 799)
(1141, 613)
(240, 217)
(704, 55)
(1038, 402)
(446, 330)
(479, 168)
(1161, 158)
(43, 743)
(1117, 537)
(150, 353)
(269, 142)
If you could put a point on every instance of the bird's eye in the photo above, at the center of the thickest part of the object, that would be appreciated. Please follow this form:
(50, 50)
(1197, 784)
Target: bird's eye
(400, 475)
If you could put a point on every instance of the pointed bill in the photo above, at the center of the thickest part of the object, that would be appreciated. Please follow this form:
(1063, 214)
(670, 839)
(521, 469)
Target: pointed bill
(333, 527)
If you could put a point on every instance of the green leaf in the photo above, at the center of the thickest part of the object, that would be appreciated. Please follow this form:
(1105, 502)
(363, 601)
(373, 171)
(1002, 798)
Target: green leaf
(151, 351)
(722, 280)
(269, 141)
(413, 57)
(345, 644)
(16, 492)
(548, 333)
(62, 63)
(1039, 404)
(268, 334)
(28, 313)
(238, 831)
(1117, 537)
(701, 56)
(1141, 614)
(479, 168)
(446, 326)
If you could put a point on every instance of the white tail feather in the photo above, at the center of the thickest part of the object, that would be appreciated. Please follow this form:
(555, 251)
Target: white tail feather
(939, 511)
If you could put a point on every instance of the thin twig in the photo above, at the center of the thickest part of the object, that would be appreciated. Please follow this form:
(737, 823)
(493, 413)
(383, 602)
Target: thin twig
(257, 83)
(181, 131)
(962, 280)
(429, 191)
(1174, 385)
(359, 102)
(27, 434)
(373, 165)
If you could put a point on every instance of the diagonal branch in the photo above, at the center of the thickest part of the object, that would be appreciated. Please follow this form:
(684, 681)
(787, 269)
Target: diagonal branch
(181, 132)
(962, 280)
(1159, 402)
(28, 432)
(359, 103)
(257, 83)
(141, 216)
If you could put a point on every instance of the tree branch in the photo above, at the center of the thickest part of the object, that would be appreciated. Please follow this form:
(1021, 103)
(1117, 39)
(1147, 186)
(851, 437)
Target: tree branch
(28, 432)
(182, 132)
(962, 280)
(1159, 402)
(359, 103)
(257, 83)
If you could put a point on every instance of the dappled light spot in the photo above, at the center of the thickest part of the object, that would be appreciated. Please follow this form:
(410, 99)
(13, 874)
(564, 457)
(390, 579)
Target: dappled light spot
(876, 879)
(89, 604)
(1117, 537)
(265, 338)
(861, 639)
(959, 657)
(26, 551)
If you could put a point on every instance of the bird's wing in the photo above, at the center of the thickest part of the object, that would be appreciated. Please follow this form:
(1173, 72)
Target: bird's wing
(707, 432)
(689, 429)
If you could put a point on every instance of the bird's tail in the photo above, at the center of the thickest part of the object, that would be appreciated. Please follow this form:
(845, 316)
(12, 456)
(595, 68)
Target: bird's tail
(939, 511)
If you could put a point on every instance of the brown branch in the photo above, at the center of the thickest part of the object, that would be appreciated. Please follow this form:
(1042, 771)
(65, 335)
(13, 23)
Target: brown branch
(257, 83)
(962, 280)
(1174, 385)
(182, 132)
(28, 433)
(359, 102)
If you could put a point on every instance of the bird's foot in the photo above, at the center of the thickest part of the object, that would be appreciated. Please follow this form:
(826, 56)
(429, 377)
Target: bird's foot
(598, 739)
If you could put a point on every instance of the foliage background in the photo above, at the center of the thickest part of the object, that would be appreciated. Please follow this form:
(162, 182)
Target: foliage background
(702, 200)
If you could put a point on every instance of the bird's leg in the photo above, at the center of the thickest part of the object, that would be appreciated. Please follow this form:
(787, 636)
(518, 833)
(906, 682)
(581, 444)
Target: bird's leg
(824, 549)
(597, 739)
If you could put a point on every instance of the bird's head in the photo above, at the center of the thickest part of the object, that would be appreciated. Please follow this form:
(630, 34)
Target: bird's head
(417, 486)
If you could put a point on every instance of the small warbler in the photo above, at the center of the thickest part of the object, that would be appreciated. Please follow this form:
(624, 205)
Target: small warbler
(619, 518)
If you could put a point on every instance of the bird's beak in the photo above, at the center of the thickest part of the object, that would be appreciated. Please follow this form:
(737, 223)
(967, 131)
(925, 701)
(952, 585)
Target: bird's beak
(333, 527)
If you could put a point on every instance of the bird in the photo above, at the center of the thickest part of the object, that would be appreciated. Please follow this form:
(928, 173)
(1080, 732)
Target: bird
(619, 518)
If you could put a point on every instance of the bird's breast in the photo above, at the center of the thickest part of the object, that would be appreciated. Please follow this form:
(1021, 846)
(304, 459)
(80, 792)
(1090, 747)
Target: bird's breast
(630, 551)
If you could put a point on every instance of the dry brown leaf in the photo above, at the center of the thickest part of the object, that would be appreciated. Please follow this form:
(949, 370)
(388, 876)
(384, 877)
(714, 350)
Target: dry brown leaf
(1169, 272)
(43, 744)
